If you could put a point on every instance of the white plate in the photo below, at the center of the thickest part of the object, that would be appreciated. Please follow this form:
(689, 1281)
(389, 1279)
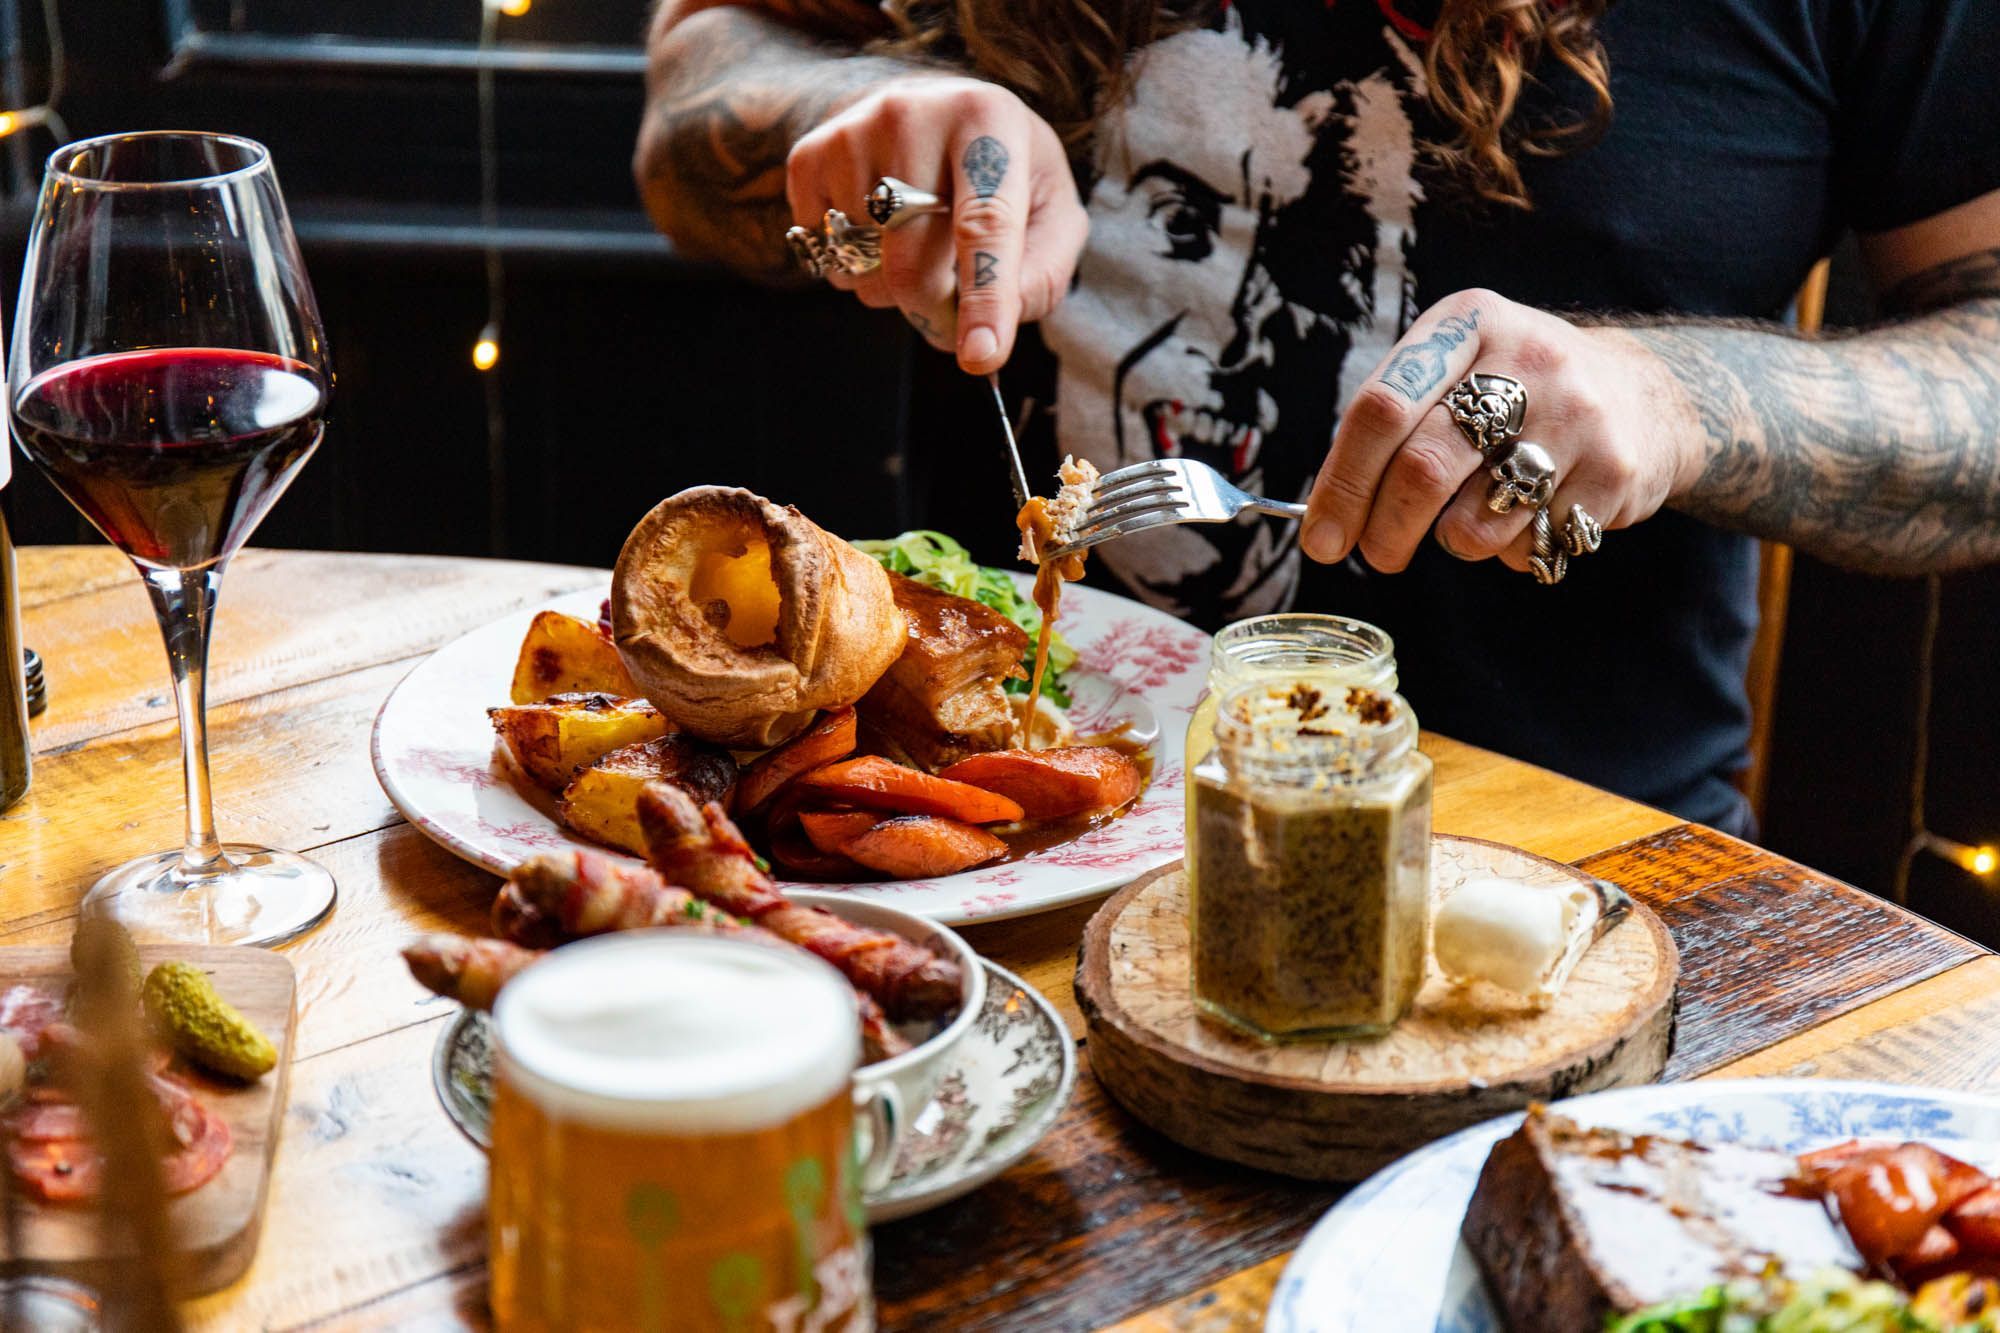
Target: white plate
(1005, 1085)
(1387, 1258)
(435, 755)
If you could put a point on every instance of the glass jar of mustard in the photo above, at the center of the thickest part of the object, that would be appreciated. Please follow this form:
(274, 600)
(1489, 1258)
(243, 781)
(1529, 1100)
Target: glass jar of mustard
(1353, 652)
(1311, 847)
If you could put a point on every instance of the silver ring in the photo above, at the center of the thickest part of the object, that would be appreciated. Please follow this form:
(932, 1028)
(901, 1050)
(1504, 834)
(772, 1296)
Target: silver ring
(808, 251)
(1581, 533)
(892, 203)
(1549, 563)
(1525, 475)
(1489, 410)
(854, 248)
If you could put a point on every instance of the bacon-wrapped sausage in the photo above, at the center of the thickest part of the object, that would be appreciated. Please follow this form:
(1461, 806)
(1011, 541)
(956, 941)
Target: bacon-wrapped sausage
(701, 849)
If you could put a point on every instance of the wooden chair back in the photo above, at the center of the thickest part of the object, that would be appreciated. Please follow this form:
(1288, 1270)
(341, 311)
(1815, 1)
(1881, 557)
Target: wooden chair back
(1774, 586)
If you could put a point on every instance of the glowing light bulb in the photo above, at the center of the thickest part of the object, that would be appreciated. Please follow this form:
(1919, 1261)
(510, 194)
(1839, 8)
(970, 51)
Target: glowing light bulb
(1983, 860)
(513, 9)
(9, 122)
(486, 352)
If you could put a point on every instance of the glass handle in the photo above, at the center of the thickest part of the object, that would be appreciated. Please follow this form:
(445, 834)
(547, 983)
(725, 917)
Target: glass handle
(880, 1110)
(184, 603)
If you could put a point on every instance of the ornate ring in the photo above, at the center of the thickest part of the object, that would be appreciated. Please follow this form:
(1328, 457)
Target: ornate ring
(892, 203)
(852, 247)
(1581, 533)
(1489, 409)
(808, 251)
(1526, 475)
(1549, 562)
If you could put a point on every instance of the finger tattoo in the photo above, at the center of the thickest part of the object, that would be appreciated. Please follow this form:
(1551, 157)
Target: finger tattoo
(985, 163)
(985, 268)
(922, 323)
(1419, 368)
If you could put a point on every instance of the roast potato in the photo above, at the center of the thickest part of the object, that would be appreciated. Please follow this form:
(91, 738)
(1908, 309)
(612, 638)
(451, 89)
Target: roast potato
(562, 654)
(602, 801)
(552, 739)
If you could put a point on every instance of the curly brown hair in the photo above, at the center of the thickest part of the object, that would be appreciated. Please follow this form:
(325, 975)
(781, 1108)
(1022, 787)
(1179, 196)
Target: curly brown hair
(1070, 61)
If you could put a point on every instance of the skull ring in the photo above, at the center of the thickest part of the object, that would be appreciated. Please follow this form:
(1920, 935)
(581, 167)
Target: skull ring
(1489, 409)
(892, 203)
(1527, 475)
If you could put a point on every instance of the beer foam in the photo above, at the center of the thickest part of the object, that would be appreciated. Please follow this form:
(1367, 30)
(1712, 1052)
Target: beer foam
(668, 1030)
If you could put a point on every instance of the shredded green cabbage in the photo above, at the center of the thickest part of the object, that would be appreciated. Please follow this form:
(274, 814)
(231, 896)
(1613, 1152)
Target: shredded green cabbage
(935, 559)
(1831, 1301)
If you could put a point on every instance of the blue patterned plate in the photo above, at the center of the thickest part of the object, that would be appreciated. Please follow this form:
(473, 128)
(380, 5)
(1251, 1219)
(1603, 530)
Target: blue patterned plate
(1387, 1258)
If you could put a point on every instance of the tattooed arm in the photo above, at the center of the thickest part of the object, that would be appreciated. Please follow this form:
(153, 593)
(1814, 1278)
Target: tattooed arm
(729, 90)
(1879, 449)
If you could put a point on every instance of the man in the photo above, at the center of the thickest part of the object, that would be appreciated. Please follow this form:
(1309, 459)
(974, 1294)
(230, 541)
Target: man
(1272, 256)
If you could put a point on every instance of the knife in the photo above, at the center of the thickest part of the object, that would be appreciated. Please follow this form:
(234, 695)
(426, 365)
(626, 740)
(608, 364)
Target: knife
(1020, 474)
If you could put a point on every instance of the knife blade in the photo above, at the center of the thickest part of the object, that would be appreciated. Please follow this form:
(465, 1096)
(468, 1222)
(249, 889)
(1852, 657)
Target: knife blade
(1019, 473)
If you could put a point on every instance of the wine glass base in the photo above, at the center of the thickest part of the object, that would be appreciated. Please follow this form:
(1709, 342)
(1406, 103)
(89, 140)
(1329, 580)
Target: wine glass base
(260, 896)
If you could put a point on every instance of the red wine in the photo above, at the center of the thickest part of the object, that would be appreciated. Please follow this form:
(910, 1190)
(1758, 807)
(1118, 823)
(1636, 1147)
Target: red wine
(174, 453)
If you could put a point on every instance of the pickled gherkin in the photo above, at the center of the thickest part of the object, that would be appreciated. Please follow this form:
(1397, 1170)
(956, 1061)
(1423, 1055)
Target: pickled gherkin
(186, 1010)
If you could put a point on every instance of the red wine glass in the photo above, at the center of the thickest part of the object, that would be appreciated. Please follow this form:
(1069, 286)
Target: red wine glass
(169, 374)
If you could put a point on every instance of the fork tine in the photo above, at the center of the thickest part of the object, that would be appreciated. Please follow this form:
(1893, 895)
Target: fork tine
(1157, 467)
(1152, 504)
(1160, 490)
(1124, 528)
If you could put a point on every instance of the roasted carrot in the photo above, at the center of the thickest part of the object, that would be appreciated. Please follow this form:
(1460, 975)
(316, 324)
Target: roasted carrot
(825, 741)
(881, 785)
(924, 846)
(1050, 784)
(832, 830)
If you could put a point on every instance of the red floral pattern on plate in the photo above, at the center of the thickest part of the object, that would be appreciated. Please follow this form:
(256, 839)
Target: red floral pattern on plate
(434, 753)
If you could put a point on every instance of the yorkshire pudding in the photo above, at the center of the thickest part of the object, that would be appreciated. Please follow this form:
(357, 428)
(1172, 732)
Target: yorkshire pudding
(740, 619)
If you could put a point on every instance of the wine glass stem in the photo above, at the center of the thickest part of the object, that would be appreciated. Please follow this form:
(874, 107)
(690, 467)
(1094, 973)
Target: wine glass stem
(184, 602)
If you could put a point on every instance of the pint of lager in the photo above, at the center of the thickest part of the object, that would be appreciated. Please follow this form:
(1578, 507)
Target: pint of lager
(674, 1141)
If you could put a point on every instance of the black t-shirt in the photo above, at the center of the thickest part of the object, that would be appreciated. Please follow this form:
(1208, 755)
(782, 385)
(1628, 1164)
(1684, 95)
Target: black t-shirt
(1263, 230)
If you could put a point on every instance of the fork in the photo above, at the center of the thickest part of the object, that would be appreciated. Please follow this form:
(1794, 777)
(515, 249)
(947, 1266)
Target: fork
(1164, 491)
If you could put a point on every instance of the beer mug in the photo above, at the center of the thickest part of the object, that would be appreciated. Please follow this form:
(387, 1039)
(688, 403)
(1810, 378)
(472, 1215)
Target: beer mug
(674, 1140)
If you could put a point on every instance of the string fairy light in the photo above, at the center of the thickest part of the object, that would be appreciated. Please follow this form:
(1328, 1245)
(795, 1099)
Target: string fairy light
(15, 120)
(1980, 860)
(486, 346)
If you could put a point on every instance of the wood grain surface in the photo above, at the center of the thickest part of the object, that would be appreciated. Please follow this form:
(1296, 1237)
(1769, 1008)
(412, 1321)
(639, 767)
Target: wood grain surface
(1340, 1110)
(218, 1224)
(375, 1217)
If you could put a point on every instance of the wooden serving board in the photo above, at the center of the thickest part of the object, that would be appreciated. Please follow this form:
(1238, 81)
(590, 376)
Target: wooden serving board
(218, 1223)
(1339, 1110)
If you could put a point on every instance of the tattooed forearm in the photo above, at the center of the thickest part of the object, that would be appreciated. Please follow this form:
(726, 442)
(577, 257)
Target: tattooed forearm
(1879, 450)
(728, 93)
(1419, 368)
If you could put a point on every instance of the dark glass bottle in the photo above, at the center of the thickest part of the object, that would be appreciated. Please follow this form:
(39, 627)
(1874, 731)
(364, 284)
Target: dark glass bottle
(13, 679)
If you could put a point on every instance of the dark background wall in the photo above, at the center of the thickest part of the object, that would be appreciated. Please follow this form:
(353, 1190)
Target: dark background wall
(628, 373)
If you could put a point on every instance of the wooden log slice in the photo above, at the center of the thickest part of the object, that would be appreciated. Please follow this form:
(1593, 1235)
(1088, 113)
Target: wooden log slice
(1339, 1110)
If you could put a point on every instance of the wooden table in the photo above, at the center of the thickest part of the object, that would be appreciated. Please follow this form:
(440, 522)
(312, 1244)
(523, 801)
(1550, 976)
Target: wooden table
(376, 1217)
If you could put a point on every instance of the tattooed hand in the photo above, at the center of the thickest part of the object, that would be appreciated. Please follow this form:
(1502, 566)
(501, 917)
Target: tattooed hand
(1400, 466)
(1006, 252)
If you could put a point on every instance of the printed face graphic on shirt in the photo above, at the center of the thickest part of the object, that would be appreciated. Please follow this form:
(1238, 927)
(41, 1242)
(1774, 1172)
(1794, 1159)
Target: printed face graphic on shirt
(1244, 269)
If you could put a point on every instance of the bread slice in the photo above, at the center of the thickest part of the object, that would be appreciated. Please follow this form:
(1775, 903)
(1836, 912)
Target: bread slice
(1573, 1225)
